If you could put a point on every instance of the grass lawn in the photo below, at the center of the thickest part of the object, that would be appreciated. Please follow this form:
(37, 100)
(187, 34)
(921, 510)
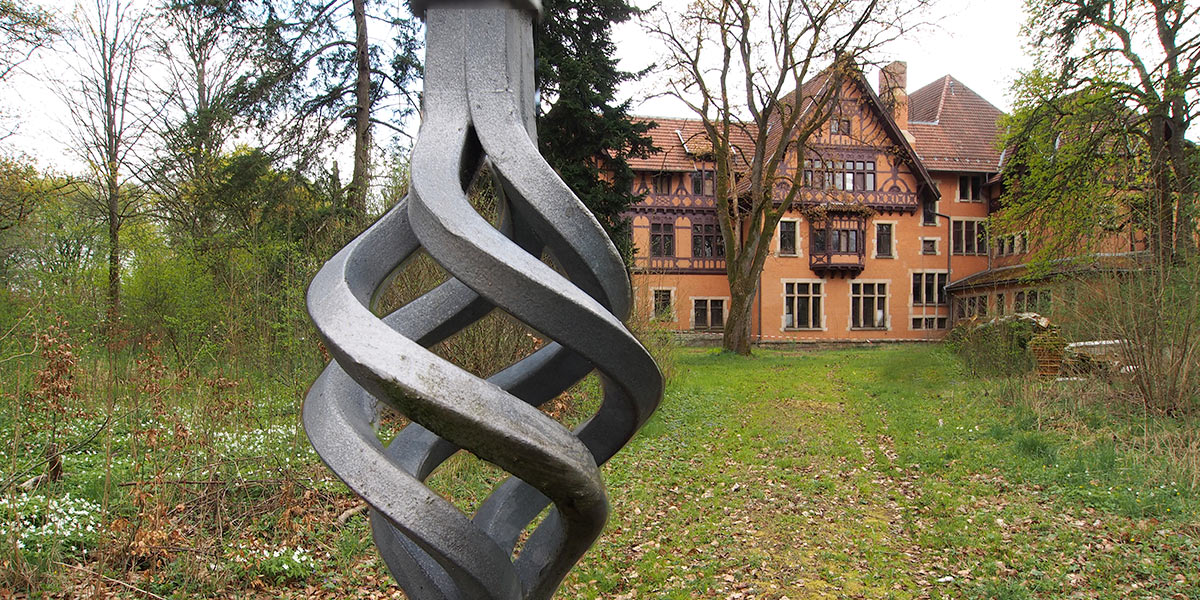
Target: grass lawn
(880, 472)
(877, 473)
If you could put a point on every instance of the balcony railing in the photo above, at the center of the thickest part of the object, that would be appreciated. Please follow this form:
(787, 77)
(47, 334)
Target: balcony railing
(877, 200)
(837, 263)
(669, 264)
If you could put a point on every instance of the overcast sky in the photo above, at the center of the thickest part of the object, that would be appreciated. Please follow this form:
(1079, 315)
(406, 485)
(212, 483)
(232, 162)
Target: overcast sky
(977, 41)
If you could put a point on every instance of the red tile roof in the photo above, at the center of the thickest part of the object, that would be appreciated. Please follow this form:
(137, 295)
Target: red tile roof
(680, 141)
(955, 128)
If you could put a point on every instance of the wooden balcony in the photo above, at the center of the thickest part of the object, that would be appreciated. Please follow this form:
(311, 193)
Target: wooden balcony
(837, 245)
(837, 264)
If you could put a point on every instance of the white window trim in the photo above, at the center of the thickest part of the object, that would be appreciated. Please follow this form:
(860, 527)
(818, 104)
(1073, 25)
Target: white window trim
(824, 299)
(779, 235)
(674, 304)
(692, 310)
(875, 241)
(937, 245)
(887, 313)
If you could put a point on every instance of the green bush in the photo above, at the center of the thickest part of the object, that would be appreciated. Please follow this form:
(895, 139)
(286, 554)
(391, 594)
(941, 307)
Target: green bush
(172, 297)
(998, 347)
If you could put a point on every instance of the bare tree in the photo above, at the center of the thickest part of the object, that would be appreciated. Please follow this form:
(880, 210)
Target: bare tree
(763, 76)
(106, 41)
(23, 30)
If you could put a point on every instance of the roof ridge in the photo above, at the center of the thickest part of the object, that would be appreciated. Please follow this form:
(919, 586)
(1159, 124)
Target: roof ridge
(942, 97)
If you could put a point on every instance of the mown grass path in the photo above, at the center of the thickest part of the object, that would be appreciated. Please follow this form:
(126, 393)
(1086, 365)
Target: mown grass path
(873, 473)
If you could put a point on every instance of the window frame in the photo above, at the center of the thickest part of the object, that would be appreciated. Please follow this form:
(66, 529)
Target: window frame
(941, 296)
(655, 313)
(979, 239)
(795, 223)
(708, 300)
(667, 181)
(974, 186)
(704, 176)
(659, 239)
(936, 204)
(833, 174)
(717, 240)
(856, 299)
(937, 246)
(891, 249)
(919, 323)
(819, 297)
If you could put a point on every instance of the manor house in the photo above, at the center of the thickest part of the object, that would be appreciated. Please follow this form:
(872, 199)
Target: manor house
(891, 221)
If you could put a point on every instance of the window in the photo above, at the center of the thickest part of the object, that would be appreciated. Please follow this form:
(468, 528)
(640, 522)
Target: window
(1000, 304)
(839, 126)
(928, 288)
(971, 306)
(929, 322)
(707, 241)
(848, 175)
(883, 240)
(1037, 301)
(1013, 243)
(868, 305)
(837, 241)
(662, 184)
(787, 238)
(662, 239)
(664, 309)
(802, 305)
(970, 187)
(970, 237)
(929, 212)
(709, 313)
(929, 246)
(702, 183)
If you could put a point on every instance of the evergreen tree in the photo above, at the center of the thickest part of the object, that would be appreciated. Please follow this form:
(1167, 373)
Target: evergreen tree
(584, 133)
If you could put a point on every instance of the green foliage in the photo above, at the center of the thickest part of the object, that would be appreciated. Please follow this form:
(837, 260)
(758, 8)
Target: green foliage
(584, 133)
(1072, 170)
(999, 347)
(173, 298)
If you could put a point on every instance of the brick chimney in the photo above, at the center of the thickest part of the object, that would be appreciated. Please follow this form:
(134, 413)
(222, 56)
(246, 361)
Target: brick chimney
(893, 90)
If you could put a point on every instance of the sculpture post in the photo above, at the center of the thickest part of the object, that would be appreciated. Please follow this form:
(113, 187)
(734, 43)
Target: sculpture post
(479, 106)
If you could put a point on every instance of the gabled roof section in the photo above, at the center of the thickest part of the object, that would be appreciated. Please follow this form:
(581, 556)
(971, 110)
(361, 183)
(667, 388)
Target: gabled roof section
(683, 143)
(955, 128)
(816, 86)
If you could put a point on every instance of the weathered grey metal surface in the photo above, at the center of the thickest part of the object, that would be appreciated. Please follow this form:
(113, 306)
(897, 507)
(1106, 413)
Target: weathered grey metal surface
(479, 106)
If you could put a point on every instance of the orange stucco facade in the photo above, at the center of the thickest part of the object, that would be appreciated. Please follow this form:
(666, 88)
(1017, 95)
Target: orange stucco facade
(882, 224)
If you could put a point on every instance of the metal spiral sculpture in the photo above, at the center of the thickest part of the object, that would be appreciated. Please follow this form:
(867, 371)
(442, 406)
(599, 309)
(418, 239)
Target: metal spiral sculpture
(479, 106)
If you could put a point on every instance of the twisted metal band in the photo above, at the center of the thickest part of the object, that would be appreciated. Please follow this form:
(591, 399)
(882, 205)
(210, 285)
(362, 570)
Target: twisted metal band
(479, 106)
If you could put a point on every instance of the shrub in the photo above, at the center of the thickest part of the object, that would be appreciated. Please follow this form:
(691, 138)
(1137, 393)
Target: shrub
(1155, 315)
(997, 347)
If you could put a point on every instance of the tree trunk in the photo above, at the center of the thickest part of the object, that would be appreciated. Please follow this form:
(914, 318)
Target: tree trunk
(1161, 215)
(736, 337)
(114, 258)
(1185, 191)
(362, 114)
